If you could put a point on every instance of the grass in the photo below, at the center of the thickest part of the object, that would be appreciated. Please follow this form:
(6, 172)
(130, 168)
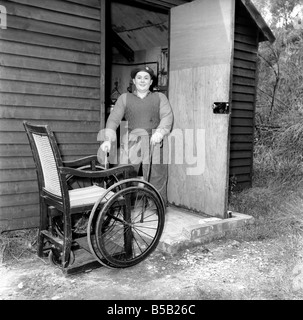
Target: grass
(17, 245)
(275, 199)
(276, 212)
(276, 203)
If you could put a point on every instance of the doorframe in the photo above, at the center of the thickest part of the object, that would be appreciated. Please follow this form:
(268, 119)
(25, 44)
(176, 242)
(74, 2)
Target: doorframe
(102, 61)
(105, 58)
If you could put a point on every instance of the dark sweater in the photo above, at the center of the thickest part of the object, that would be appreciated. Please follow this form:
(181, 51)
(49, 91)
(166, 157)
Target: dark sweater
(151, 112)
(142, 113)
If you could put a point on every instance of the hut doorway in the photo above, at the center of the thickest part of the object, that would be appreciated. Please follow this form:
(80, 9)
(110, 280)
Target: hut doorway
(190, 48)
(138, 35)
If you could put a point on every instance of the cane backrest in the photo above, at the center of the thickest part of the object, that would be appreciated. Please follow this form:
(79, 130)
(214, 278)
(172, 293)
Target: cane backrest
(48, 160)
(48, 164)
(46, 156)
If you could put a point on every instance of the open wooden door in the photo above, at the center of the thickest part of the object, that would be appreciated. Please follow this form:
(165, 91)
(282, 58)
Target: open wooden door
(201, 47)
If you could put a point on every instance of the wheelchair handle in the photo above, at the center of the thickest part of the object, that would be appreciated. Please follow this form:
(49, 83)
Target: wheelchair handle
(150, 162)
(106, 164)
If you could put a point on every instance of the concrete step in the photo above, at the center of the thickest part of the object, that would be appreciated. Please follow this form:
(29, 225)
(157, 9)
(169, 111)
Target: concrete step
(184, 229)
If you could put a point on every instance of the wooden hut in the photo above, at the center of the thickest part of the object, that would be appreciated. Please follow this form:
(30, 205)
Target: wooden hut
(49, 73)
(63, 63)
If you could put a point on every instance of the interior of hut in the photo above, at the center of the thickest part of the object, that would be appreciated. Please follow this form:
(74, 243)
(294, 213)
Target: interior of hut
(137, 35)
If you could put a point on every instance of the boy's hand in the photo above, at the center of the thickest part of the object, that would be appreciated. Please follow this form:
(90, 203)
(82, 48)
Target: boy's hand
(105, 146)
(156, 138)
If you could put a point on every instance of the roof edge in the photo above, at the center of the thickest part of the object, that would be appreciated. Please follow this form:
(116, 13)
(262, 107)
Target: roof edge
(262, 25)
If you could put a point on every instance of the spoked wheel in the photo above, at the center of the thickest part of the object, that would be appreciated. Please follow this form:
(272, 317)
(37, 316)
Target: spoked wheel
(129, 226)
(96, 212)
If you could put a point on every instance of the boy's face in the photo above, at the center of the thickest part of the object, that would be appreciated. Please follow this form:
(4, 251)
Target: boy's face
(142, 81)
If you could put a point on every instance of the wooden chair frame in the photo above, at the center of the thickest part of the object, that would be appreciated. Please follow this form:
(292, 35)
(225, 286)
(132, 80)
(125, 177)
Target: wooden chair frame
(52, 204)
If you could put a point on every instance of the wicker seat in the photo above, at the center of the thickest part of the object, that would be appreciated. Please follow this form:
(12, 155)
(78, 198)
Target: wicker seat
(60, 204)
(86, 196)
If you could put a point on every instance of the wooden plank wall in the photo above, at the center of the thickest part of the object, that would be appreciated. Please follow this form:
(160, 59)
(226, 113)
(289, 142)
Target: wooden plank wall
(49, 74)
(243, 97)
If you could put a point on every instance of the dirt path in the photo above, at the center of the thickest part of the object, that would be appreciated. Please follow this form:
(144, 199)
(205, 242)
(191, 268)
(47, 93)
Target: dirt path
(224, 269)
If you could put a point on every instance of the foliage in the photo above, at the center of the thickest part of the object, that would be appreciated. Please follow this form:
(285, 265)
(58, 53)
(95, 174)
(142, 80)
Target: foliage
(280, 65)
(279, 110)
(274, 200)
(280, 87)
(281, 12)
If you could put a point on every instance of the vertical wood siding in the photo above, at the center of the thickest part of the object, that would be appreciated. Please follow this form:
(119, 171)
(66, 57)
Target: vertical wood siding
(49, 74)
(243, 97)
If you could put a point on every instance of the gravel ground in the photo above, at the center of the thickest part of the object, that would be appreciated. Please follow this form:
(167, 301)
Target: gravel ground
(225, 269)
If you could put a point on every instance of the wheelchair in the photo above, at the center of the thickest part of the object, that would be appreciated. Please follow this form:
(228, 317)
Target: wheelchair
(92, 216)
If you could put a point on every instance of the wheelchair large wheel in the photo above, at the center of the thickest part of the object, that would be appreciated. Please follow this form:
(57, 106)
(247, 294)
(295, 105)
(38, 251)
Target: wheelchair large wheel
(96, 211)
(129, 226)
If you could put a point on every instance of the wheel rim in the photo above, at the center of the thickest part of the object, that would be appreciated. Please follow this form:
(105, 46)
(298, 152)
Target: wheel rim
(96, 212)
(129, 226)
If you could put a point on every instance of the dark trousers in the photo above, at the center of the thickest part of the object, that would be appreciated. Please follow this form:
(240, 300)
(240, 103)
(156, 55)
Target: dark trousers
(137, 151)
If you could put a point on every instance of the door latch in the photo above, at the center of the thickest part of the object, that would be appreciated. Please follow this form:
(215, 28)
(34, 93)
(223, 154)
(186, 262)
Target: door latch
(221, 107)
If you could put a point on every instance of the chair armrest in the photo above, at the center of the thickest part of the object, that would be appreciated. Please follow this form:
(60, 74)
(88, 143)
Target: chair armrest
(125, 169)
(81, 162)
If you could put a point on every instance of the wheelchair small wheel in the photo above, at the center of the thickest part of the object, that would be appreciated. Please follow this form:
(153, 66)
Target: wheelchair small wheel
(129, 226)
(55, 258)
